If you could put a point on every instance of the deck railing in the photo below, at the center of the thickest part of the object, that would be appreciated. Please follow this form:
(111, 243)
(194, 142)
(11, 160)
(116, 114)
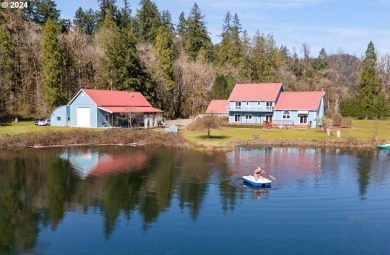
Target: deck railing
(246, 108)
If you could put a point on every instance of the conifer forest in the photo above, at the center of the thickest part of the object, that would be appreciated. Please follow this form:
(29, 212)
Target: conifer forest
(46, 60)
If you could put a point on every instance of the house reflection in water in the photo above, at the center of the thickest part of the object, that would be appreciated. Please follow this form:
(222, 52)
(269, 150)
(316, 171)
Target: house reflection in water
(94, 162)
(282, 163)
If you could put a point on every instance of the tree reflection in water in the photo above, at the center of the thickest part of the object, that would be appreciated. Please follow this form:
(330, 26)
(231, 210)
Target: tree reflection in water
(37, 187)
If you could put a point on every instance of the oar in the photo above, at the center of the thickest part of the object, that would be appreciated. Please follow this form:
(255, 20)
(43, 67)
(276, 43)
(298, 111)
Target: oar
(271, 176)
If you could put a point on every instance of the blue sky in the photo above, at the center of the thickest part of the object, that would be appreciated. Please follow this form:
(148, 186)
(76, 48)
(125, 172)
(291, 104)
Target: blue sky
(336, 25)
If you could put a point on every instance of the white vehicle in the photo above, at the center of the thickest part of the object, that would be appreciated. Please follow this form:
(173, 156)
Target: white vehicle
(43, 122)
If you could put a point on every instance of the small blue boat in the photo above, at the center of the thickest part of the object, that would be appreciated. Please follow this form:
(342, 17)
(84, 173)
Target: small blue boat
(261, 182)
(384, 146)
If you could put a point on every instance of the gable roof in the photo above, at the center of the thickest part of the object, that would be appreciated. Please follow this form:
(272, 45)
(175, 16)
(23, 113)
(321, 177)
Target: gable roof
(256, 92)
(308, 100)
(116, 98)
(217, 106)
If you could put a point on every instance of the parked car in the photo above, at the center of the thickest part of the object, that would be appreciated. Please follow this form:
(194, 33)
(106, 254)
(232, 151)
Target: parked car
(36, 121)
(43, 122)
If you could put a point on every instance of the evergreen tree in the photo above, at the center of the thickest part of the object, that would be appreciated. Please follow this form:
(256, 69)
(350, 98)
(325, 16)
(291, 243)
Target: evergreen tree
(197, 36)
(231, 48)
(369, 84)
(148, 21)
(166, 20)
(107, 6)
(182, 26)
(222, 87)
(41, 10)
(124, 68)
(51, 64)
(7, 66)
(264, 58)
(322, 61)
(164, 50)
(85, 21)
(125, 20)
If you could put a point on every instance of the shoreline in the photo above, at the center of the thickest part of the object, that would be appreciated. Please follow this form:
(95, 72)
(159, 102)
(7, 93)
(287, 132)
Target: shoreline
(132, 138)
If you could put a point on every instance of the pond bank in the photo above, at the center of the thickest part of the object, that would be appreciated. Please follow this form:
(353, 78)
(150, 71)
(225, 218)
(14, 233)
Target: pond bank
(126, 137)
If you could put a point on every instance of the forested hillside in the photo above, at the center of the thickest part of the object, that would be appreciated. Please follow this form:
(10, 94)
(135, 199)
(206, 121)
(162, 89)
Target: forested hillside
(45, 60)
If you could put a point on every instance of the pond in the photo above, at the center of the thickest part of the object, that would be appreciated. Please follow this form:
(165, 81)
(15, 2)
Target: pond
(125, 200)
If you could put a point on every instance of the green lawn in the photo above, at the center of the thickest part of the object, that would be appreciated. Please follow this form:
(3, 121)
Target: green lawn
(361, 130)
(15, 128)
(364, 130)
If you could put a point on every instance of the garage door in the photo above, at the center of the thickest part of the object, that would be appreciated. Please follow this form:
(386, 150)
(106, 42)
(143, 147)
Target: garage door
(83, 117)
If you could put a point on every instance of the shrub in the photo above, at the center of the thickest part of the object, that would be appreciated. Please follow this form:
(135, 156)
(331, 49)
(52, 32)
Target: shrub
(337, 118)
(325, 123)
(346, 123)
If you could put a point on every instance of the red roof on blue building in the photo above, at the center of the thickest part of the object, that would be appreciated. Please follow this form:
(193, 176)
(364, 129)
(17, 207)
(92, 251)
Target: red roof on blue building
(116, 98)
(217, 106)
(307, 100)
(256, 92)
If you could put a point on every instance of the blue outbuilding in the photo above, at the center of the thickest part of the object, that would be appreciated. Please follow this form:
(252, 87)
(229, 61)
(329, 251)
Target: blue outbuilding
(106, 108)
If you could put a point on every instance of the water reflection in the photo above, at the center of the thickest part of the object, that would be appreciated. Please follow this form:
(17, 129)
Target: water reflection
(94, 162)
(38, 187)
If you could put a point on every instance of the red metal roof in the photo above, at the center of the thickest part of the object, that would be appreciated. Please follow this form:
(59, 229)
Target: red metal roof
(217, 106)
(129, 109)
(255, 92)
(308, 100)
(116, 98)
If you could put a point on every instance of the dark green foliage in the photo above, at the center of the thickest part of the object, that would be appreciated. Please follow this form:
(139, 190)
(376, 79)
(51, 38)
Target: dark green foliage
(322, 61)
(148, 20)
(7, 66)
(337, 118)
(107, 6)
(369, 95)
(231, 50)
(196, 37)
(51, 65)
(164, 50)
(41, 10)
(346, 123)
(166, 20)
(222, 87)
(124, 68)
(125, 20)
(382, 106)
(350, 107)
(85, 20)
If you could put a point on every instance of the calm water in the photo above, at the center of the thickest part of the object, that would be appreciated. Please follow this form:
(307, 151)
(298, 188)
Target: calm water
(162, 201)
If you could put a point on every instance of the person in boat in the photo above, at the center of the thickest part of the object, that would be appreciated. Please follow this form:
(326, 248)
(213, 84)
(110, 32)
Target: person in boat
(258, 172)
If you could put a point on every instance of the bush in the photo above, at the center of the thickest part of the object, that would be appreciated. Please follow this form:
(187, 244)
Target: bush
(337, 118)
(346, 123)
(325, 123)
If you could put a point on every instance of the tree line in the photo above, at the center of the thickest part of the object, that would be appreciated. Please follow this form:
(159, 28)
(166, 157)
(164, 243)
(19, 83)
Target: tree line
(45, 60)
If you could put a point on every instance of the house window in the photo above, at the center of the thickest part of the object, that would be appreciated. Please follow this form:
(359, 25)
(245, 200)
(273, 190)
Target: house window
(268, 118)
(58, 118)
(238, 105)
(106, 117)
(269, 105)
(259, 103)
(303, 119)
(248, 116)
(237, 118)
(286, 115)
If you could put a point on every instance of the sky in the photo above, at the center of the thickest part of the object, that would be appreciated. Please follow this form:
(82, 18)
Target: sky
(336, 25)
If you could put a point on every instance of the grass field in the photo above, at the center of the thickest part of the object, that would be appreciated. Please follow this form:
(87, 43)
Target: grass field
(362, 130)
